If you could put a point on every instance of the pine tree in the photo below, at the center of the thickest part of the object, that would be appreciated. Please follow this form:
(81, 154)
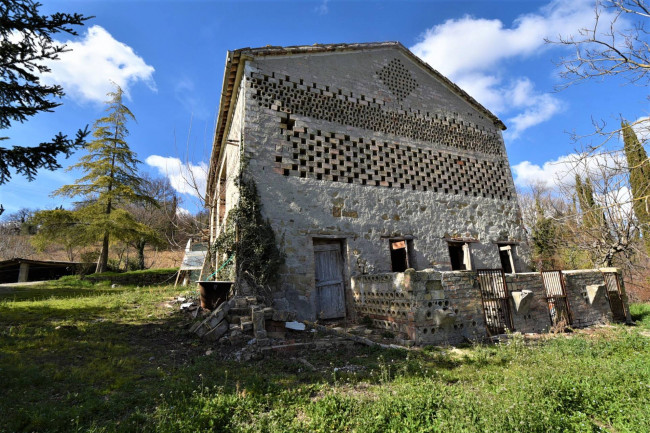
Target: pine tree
(639, 169)
(110, 180)
(26, 48)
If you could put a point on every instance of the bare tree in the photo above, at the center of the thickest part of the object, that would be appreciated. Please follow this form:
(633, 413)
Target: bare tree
(616, 44)
(160, 215)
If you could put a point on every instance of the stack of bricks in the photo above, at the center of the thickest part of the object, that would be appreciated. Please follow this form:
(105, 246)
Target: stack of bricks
(240, 319)
(532, 315)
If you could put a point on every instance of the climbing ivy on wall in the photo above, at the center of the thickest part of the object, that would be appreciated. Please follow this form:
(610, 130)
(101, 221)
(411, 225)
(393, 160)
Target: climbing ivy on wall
(250, 239)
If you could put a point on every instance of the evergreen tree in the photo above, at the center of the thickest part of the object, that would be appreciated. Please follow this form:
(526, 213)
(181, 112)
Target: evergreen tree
(26, 45)
(110, 180)
(639, 169)
(592, 216)
(544, 238)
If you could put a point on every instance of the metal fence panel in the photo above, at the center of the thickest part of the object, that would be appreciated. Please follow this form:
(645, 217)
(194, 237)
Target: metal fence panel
(496, 302)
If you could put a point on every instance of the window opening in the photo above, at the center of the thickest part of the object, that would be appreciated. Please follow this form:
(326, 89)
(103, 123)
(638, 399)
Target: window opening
(506, 255)
(398, 256)
(460, 255)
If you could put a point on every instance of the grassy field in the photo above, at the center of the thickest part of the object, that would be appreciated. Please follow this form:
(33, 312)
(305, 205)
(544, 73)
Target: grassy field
(82, 357)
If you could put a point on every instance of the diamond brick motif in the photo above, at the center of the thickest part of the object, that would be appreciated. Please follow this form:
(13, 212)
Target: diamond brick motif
(398, 79)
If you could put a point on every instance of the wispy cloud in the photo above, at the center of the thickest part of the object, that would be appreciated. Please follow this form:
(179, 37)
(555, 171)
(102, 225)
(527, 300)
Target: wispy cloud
(87, 70)
(322, 8)
(186, 178)
(477, 54)
(185, 93)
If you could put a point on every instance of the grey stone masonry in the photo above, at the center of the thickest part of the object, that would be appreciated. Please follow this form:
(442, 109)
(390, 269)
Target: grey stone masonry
(587, 312)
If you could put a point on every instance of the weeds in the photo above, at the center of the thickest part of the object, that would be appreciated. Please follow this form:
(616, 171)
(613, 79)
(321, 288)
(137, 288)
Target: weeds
(79, 357)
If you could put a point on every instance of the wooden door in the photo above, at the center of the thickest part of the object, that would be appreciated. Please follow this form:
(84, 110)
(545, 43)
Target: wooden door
(329, 279)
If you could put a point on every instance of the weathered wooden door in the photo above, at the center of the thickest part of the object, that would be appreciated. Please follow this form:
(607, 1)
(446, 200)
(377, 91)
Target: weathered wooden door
(329, 279)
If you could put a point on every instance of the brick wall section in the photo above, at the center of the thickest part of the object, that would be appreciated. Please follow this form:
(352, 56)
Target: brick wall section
(533, 315)
(427, 307)
(585, 314)
(431, 307)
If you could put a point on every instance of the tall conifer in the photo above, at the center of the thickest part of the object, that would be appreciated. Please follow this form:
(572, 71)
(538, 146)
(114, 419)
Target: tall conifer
(110, 180)
(639, 169)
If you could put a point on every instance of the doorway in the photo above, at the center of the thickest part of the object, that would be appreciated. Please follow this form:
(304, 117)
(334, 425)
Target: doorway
(328, 270)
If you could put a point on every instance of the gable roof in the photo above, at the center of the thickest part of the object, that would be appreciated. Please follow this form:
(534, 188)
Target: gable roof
(236, 58)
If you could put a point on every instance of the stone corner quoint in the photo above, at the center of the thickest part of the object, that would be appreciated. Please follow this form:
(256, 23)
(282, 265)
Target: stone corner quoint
(389, 190)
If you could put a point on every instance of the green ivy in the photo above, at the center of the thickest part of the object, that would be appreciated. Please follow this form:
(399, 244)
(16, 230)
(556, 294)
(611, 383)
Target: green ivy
(250, 238)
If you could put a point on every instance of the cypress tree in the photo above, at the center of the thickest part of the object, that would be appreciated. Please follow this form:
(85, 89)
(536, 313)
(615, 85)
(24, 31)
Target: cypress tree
(544, 239)
(639, 170)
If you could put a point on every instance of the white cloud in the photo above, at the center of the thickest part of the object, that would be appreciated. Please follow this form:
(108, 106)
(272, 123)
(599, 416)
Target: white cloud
(186, 178)
(562, 170)
(181, 211)
(473, 53)
(87, 70)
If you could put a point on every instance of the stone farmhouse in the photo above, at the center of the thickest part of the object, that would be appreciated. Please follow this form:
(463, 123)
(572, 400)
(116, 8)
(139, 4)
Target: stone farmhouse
(390, 193)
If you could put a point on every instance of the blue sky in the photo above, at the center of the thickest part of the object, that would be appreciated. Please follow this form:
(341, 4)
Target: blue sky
(169, 57)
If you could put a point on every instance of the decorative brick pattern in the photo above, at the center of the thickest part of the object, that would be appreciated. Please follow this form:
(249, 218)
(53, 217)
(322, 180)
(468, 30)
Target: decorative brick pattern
(339, 158)
(290, 95)
(398, 79)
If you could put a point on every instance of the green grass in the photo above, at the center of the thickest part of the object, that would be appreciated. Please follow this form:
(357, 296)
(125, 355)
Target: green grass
(81, 357)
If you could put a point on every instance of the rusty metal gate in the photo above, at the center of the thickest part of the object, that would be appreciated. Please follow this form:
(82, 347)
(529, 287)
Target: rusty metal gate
(558, 304)
(614, 295)
(496, 302)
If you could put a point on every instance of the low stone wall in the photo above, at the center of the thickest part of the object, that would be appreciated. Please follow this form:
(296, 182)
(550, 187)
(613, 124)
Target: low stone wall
(431, 307)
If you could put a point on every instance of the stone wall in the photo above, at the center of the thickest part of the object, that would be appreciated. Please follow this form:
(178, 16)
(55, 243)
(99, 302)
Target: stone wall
(587, 297)
(431, 307)
(366, 147)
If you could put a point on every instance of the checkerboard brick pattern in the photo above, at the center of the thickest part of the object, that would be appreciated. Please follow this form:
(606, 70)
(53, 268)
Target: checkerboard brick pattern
(338, 157)
(294, 95)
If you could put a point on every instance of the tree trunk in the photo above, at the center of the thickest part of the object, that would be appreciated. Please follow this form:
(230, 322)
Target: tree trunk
(102, 261)
(140, 248)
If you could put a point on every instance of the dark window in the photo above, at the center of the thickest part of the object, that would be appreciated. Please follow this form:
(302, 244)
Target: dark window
(398, 256)
(507, 258)
(459, 253)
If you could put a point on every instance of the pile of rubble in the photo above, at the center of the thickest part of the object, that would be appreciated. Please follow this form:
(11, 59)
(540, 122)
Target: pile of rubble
(244, 318)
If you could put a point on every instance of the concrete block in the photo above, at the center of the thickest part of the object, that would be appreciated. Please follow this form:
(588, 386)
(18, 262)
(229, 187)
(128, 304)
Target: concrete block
(258, 322)
(217, 332)
(595, 292)
(522, 300)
